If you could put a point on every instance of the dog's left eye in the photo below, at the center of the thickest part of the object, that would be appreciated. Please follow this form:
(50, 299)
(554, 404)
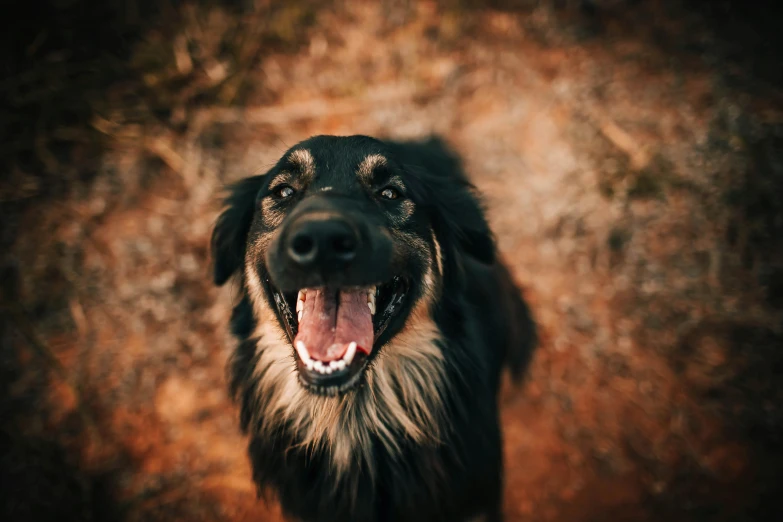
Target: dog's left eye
(283, 192)
(390, 193)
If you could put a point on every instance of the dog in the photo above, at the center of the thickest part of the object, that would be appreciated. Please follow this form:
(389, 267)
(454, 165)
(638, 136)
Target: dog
(374, 324)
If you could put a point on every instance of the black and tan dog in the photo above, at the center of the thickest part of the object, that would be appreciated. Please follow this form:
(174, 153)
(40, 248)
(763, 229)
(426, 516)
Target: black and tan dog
(375, 321)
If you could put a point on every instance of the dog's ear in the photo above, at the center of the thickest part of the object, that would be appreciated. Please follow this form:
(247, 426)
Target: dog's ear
(460, 217)
(440, 184)
(230, 234)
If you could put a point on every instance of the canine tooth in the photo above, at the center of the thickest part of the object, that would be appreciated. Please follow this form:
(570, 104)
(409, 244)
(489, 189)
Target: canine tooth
(301, 349)
(299, 315)
(348, 357)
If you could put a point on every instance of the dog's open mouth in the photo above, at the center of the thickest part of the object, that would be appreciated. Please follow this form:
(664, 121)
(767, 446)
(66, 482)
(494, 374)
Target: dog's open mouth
(335, 331)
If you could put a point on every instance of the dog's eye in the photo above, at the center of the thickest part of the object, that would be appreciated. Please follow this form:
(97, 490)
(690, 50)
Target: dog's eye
(283, 192)
(390, 193)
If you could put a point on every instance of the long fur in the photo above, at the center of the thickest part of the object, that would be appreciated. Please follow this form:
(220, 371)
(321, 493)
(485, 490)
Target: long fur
(420, 439)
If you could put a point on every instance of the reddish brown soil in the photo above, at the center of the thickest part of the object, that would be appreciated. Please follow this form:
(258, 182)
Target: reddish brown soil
(632, 188)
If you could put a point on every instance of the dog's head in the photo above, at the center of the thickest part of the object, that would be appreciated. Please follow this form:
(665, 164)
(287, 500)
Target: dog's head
(345, 244)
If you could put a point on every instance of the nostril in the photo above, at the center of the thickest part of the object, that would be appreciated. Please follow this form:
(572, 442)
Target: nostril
(316, 240)
(344, 246)
(303, 247)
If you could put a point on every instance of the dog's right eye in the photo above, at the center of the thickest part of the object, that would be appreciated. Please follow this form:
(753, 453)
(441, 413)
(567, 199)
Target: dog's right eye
(390, 193)
(283, 192)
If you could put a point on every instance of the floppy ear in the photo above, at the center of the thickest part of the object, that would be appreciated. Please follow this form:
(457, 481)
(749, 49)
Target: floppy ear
(460, 216)
(453, 203)
(230, 234)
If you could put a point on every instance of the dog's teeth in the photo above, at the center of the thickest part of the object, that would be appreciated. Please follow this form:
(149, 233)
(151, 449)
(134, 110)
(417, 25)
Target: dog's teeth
(300, 299)
(336, 366)
(322, 367)
(299, 315)
(371, 304)
(371, 300)
(301, 349)
(348, 357)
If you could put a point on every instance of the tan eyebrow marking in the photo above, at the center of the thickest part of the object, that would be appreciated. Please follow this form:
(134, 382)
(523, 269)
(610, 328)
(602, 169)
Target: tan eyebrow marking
(368, 164)
(304, 160)
(280, 178)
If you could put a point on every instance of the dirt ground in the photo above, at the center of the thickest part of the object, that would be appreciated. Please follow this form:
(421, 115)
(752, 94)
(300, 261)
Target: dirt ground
(632, 163)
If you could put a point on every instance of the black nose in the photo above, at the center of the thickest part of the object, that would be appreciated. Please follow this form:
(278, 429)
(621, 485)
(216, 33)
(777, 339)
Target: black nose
(315, 241)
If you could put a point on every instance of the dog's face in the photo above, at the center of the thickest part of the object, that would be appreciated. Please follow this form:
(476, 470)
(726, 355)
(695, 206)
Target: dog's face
(342, 250)
(345, 244)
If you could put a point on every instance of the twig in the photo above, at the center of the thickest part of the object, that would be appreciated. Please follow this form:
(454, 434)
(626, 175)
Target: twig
(639, 157)
(161, 147)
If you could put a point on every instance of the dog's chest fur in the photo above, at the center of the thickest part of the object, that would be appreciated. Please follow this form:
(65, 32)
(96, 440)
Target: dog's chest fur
(418, 441)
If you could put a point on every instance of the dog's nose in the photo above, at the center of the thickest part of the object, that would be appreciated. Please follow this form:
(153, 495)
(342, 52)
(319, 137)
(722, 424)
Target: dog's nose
(315, 241)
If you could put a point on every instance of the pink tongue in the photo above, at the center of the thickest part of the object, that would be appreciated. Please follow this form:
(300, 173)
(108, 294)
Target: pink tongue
(328, 327)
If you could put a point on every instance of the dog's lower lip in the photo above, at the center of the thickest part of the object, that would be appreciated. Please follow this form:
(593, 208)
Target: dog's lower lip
(336, 382)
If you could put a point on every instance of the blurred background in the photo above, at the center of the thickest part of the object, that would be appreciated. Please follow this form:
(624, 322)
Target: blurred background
(631, 154)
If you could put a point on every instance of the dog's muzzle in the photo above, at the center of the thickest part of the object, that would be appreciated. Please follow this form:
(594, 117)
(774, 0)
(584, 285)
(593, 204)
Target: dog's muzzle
(327, 241)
